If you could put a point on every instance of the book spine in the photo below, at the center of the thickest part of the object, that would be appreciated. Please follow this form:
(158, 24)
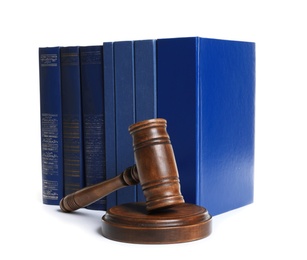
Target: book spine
(145, 86)
(125, 112)
(91, 64)
(110, 124)
(176, 91)
(51, 125)
(72, 120)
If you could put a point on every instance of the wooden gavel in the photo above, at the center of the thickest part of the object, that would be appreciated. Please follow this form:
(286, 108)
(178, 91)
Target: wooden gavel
(155, 169)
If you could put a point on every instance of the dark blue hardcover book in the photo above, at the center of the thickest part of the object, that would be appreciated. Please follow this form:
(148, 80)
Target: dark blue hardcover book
(206, 92)
(110, 124)
(125, 112)
(72, 120)
(91, 64)
(51, 125)
(145, 85)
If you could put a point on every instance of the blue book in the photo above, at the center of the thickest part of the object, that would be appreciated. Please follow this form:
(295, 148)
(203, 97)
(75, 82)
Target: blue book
(145, 86)
(110, 127)
(51, 125)
(206, 92)
(72, 120)
(91, 65)
(124, 112)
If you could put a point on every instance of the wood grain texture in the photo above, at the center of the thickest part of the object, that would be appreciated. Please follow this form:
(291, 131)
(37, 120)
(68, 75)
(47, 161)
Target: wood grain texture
(132, 223)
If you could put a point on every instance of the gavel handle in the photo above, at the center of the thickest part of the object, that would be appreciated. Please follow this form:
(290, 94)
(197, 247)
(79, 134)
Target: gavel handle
(89, 195)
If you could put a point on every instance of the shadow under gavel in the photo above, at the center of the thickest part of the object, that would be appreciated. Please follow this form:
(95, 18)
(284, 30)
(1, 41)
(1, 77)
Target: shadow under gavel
(155, 169)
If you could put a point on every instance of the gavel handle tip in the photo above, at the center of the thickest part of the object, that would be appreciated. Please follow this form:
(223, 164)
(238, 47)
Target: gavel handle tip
(63, 208)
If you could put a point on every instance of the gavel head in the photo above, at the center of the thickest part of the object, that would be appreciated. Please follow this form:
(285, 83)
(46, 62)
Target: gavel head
(156, 164)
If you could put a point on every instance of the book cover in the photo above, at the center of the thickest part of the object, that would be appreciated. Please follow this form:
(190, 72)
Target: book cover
(206, 91)
(145, 86)
(72, 119)
(124, 112)
(51, 125)
(109, 108)
(91, 65)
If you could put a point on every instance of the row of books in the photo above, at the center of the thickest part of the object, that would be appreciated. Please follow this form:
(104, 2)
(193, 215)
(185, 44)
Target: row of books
(204, 88)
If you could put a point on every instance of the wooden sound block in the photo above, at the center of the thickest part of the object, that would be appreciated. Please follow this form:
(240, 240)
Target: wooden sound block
(132, 223)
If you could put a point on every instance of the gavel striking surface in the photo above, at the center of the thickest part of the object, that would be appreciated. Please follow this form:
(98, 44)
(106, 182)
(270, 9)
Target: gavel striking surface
(132, 223)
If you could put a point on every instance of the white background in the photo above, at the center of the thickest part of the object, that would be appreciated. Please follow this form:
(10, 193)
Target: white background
(273, 226)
